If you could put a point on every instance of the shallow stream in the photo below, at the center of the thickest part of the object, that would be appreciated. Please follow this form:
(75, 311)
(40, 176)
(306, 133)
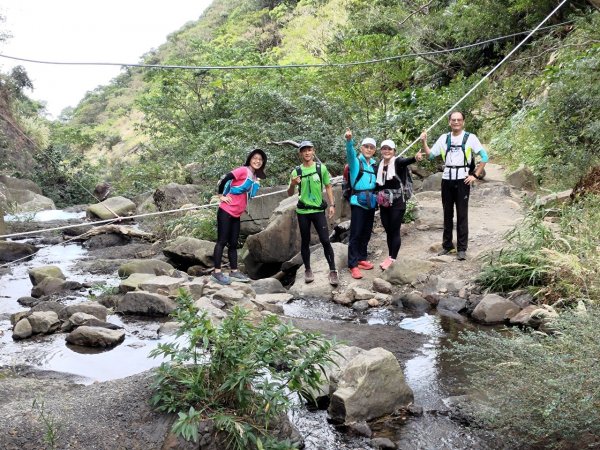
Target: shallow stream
(428, 372)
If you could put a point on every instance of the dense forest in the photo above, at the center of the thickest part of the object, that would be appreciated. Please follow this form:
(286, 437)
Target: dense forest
(258, 72)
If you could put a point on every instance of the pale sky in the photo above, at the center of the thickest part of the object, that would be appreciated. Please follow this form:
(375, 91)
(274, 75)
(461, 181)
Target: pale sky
(119, 31)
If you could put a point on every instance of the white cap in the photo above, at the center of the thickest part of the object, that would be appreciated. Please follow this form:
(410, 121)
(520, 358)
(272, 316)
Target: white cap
(389, 143)
(367, 141)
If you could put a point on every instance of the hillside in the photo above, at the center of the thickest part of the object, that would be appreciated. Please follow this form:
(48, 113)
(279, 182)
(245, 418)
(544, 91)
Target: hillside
(141, 130)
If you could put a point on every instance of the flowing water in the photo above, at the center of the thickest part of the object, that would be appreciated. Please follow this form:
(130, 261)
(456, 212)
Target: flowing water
(430, 374)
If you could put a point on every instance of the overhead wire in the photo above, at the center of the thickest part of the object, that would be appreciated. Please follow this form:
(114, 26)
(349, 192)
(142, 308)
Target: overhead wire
(284, 66)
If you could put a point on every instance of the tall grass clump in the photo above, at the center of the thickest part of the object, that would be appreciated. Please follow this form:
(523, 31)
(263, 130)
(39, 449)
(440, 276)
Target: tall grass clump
(238, 376)
(537, 390)
(556, 260)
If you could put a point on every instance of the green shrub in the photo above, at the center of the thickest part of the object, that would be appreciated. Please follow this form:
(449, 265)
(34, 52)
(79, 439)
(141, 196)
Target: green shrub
(556, 261)
(539, 391)
(200, 224)
(237, 374)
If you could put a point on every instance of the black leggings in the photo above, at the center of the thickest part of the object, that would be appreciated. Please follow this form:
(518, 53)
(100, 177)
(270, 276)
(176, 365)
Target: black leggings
(320, 222)
(228, 232)
(391, 219)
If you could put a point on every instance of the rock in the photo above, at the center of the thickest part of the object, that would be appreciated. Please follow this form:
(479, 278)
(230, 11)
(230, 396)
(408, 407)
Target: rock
(360, 306)
(383, 444)
(146, 304)
(188, 251)
(432, 183)
(343, 298)
(49, 286)
(268, 286)
(521, 298)
(162, 284)
(144, 266)
(102, 191)
(48, 306)
(133, 281)
(372, 385)
(215, 313)
(415, 302)
(373, 303)
(196, 288)
(174, 196)
(406, 270)
(28, 201)
(522, 178)
(168, 328)
(228, 295)
(494, 309)
(45, 322)
(28, 301)
(260, 209)
(37, 274)
(86, 336)
(108, 208)
(82, 319)
(359, 293)
(93, 308)
(320, 287)
(11, 251)
(454, 304)
(20, 183)
(554, 200)
(272, 302)
(22, 330)
(106, 240)
(534, 316)
(361, 428)
(380, 285)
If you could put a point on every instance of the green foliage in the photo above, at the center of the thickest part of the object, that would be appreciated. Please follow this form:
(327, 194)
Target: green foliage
(559, 262)
(237, 374)
(51, 425)
(537, 391)
(66, 177)
(198, 224)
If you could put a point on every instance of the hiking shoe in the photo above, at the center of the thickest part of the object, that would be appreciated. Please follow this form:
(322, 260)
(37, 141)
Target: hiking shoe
(387, 262)
(355, 272)
(445, 251)
(366, 265)
(461, 256)
(333, 278)
(308, 276)
(221, 278)
(238, 276)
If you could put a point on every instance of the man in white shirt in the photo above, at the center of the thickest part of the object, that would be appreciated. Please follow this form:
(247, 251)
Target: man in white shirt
(457, 150)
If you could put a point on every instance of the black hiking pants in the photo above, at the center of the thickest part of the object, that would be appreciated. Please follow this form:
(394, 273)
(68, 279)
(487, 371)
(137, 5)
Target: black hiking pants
(455, 193)
(320, 222)
(391, 219)
(228, 232)
(361, 227)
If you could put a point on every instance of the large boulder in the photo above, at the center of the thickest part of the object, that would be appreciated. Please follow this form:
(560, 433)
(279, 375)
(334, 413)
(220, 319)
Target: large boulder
(107, 209)
(37, 274)
(11, 251)
(92, 308)
(146, 304)
(320, 287)
(44, 322)
(174, 196)
(260, 209)
(188, 251)
(494, 309)
(406, 270)
(20, 183)
(49, 286)
(87, 336)
(152, 266)
(28, 201)
(280, 241)
(371, 386)
(522, 178)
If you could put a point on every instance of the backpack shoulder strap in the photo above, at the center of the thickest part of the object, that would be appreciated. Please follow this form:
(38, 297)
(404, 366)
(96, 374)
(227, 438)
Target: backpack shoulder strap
(298, 170)
(463, 146)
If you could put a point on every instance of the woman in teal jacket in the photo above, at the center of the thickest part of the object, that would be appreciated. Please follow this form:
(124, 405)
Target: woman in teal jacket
(363, 203)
